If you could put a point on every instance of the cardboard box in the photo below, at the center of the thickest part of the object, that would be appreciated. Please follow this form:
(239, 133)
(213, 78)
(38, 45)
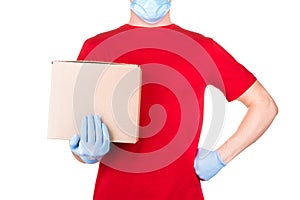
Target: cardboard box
(79, 88)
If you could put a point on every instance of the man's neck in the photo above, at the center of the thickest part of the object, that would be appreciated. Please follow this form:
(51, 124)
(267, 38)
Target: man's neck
(136, 21)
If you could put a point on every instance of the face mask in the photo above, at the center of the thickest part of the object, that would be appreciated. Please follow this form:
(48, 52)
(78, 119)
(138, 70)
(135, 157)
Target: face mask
(151, 11)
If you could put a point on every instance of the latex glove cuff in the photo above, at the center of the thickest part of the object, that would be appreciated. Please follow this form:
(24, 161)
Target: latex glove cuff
(90, 160)
(207, 164)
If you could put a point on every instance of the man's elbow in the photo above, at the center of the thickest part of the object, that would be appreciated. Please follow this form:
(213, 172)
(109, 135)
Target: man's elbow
(257, 98)
(274, 108)
(268, 105)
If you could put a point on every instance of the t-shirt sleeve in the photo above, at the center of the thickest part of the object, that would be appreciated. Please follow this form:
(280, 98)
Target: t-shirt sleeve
(235, 78)
(93, 51)
(90, 52)
(85, 49)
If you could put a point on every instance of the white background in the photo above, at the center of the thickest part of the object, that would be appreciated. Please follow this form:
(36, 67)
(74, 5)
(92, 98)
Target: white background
(262, 35)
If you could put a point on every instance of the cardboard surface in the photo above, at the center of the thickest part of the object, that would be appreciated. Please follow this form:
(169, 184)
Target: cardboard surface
(109, 89)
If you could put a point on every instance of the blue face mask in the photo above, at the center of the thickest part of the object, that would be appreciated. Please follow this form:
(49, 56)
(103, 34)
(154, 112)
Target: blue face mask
(151, 11)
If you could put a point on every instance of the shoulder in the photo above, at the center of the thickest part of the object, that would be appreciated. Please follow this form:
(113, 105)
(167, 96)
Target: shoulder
(200, 38)
(95, 40)
(92, 42)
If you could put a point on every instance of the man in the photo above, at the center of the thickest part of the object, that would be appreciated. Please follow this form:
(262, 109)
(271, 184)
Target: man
(168, 177)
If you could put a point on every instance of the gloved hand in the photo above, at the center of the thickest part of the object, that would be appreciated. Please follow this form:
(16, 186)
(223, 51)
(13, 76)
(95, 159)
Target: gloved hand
(93, 142)
(207, 164)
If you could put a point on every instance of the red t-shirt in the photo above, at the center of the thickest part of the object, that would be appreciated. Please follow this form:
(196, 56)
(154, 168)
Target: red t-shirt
(177, 65)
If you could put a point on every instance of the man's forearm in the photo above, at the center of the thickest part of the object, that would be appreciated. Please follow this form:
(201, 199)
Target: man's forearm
(258, 118)
(77, 157)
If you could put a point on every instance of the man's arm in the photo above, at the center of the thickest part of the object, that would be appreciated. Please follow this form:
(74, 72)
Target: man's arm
(78, 158)
(261, 111)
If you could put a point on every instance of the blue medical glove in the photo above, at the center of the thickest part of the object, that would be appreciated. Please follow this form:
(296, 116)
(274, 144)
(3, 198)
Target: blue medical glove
(207, 164)
(93, 142)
